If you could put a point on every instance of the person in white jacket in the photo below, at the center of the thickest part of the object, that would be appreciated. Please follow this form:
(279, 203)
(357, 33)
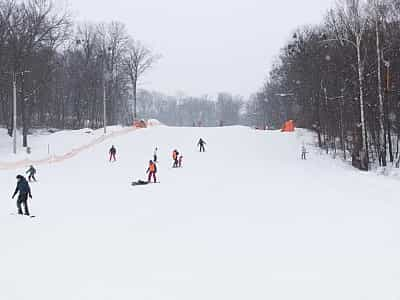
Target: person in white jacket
(155, 154)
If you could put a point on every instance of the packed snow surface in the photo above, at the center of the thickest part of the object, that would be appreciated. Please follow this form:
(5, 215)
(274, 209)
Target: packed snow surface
(245, 220)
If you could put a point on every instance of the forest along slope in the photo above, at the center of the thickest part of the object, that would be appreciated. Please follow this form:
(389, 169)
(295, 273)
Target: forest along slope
(246, 219)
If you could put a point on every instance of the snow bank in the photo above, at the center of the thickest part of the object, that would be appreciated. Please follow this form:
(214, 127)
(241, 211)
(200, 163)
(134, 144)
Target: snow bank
(153, 122)
(247, 219)
(53, 147)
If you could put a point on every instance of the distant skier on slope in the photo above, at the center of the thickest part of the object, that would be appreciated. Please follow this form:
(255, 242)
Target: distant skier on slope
(180, 159)
(31, 173)
(201, 143)
(152, 170)
(303, 152)
(112, 153)
(175, 155)
(24, 191)
(155, 155)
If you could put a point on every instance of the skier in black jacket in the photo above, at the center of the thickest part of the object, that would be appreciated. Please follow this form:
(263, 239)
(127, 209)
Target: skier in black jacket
(201, 143)
(24, 191)
(112, 152)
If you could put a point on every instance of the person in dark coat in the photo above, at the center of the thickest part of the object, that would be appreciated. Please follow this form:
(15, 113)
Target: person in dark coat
(112, 152)
(201, 143)
(31, 173)
(24, 191)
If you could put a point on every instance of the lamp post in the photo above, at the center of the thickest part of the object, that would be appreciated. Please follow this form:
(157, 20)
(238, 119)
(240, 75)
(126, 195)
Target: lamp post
(107, 75)
(14, 113)
(14, 80)
(104, 106)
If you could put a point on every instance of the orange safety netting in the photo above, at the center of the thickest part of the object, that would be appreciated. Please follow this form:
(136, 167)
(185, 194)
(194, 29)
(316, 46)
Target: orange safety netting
(63, 157)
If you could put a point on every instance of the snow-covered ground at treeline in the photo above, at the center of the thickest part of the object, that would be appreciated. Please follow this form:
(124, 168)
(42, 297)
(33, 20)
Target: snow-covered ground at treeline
(246, 220)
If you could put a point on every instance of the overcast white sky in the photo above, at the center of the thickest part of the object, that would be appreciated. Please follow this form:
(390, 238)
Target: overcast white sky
(208, 46)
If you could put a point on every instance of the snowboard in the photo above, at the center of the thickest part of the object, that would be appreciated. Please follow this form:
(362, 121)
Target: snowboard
(30, 216)
(139, 184)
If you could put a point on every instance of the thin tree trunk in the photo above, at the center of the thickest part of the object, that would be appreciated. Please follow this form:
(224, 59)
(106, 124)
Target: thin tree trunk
(382, 144)
(364, 154)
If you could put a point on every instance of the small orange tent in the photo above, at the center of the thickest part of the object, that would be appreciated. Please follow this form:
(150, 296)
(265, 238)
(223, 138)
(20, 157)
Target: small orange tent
(288, 126)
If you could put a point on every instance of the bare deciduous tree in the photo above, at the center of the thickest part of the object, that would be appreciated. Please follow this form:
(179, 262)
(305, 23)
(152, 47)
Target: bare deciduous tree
(138, 61)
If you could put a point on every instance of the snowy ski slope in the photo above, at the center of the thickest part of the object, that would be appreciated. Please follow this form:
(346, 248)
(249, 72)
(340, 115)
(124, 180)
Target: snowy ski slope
(245, 220)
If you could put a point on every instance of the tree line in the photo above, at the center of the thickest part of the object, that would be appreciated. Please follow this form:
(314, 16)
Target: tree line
(63, 70)
(182, 110)
(341, 79)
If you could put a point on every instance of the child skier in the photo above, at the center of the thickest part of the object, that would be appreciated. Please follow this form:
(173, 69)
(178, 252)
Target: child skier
(152, 170)
(31, 173)
(180, 161)
(113, 152)
(24, 191)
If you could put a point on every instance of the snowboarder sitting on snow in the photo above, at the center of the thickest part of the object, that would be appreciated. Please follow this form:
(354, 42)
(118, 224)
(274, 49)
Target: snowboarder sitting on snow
(303, 152)
(140, 182)
(31, 171)
(180, 161)
(201, 143)
(112, 152)
(24, 191)
(175, 155)
(155, 154)
(152, 170)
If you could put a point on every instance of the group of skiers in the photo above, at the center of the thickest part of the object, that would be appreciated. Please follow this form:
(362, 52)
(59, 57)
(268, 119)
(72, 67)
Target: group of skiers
(24, 191)
(152, 167)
